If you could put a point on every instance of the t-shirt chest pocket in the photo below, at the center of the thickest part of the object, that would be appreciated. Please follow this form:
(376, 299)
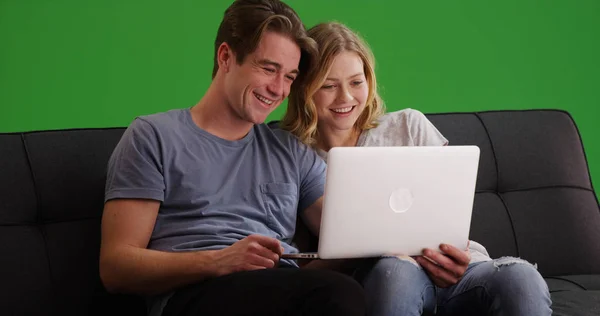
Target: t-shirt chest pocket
(281, 204)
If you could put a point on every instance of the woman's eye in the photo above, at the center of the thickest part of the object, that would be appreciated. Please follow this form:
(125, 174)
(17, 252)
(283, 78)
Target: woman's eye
(357, 83)
(327, 87)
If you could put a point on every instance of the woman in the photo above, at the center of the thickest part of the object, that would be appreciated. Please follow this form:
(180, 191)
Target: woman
(338, 105)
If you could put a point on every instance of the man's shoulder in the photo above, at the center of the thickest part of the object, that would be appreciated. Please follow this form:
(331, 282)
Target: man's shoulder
(161, 120)
(280, 140)
(160, 125)
(273, 131)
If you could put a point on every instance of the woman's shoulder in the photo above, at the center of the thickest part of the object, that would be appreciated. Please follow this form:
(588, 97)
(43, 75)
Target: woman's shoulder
(407, 115)
(405, 118)
(407, 127)
(393, 129)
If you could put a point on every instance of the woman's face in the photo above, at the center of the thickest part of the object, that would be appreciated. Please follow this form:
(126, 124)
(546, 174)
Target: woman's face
(342, 97)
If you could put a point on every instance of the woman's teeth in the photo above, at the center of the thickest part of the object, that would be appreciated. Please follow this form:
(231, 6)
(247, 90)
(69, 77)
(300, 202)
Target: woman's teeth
(343, 110)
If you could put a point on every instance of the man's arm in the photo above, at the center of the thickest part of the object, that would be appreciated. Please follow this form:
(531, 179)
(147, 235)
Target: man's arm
(127, 266)
(312, 216)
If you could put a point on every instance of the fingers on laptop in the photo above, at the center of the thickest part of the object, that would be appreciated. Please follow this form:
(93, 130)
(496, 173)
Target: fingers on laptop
(270, 243)
(267, 250)
(438, 274)
(461, 257)
(445, 268)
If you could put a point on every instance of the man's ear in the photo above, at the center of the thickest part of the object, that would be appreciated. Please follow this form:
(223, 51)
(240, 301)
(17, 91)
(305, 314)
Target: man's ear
(225, 57)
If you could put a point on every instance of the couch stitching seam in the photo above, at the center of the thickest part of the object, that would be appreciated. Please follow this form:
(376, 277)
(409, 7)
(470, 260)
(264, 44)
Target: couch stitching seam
(567, 280)
(38, 206)
(512, 224)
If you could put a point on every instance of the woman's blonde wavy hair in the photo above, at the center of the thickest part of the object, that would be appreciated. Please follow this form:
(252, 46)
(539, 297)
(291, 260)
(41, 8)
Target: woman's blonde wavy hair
(301, 115)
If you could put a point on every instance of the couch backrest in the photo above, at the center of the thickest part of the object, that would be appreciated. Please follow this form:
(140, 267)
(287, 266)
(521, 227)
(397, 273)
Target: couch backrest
(51, 200)
(534, 195)
(534, 199)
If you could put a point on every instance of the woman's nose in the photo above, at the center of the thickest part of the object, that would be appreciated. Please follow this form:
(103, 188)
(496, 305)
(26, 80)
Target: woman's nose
(345, 96)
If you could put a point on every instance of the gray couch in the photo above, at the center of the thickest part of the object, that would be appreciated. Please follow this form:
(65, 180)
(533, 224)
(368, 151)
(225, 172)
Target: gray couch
(534, 200)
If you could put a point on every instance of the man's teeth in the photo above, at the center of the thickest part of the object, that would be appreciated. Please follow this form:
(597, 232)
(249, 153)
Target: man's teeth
(343, 110)
(263, 99)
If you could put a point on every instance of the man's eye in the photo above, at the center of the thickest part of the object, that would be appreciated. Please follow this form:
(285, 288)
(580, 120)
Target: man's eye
(271, 70)
(291, 78)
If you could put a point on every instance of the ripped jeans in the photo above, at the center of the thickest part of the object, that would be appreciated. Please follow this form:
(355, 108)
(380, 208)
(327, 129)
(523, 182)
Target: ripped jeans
(505, 286)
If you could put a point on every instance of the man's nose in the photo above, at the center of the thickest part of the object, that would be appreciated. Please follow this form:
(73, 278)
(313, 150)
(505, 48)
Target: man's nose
(275, 87)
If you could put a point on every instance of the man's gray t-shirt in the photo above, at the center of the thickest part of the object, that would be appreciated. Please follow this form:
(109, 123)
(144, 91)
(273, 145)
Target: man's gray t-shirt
(214, 192)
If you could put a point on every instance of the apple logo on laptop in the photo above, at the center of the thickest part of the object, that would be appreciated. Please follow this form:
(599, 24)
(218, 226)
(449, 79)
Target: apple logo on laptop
(401, 200)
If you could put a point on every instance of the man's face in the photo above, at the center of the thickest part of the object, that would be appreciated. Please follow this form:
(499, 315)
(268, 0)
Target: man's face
(256, 87)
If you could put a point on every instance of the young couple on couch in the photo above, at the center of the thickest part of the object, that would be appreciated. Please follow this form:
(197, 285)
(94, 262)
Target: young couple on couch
(201, 202)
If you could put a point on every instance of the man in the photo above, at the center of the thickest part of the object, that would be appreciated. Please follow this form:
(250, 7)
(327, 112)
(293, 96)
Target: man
(202, 202)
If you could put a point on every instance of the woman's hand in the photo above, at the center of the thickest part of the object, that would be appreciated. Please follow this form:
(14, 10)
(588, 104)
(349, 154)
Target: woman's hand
(446, 268)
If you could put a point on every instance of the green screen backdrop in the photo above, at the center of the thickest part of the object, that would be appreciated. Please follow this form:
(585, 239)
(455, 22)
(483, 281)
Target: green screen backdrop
(73, 64)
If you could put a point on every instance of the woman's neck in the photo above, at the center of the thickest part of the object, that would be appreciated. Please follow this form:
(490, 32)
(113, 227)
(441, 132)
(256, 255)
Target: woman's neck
(328, 139)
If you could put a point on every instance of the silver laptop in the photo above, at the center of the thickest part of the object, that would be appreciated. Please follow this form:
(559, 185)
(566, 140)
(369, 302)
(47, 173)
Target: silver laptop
(396, 200)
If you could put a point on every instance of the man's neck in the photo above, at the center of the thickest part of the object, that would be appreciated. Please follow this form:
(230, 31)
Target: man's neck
(337, 138)
(214, 115)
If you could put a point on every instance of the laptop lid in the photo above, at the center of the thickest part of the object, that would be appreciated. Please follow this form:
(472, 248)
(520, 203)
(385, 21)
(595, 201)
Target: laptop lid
(397, 200)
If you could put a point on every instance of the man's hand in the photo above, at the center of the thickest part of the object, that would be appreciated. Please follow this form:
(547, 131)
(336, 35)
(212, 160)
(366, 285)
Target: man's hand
(251, 253)
(447, 267)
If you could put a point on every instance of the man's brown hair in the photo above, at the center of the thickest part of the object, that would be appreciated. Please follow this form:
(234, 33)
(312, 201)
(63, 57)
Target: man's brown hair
(245, 21)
